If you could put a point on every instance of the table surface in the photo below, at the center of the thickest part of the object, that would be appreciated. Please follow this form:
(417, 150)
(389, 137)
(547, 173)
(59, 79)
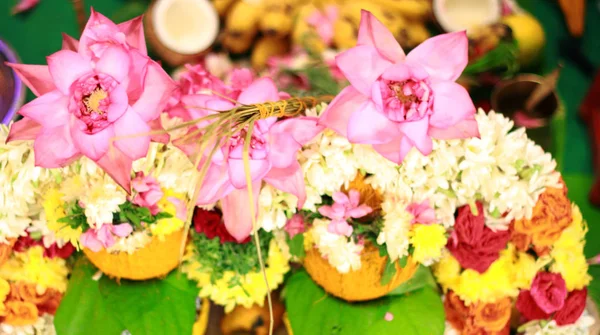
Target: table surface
(37, 34)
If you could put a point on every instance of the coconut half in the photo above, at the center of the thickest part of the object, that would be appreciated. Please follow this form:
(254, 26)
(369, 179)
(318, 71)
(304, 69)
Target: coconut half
(455, 15)
(182, 29)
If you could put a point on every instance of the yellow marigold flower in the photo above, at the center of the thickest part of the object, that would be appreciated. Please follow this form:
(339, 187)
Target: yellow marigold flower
(525, 268)
(428, 241)
(54, 211)
(471, 286)
(168, 204)
(573, 267)
(568, 256)
(32, 267)
(251, 288)
(447, 271)
(4, 290)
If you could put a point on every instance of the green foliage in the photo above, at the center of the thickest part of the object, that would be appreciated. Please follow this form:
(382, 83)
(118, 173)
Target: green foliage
(502, 58)
(75, 216)
(388, 273)
(217, 258)
(312, 311)
(128, 212)
(103, 307)
(296, 245)
(422, 278)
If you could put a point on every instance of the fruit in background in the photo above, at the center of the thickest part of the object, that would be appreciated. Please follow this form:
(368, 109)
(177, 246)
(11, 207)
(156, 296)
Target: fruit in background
(277, 18)
(241, 26)
(529, 35)
(412, 10)
(304, 34)
(574, 11)
(346, 26)
(222, 6)
(180, 31)
(455, 15)
(267, 47)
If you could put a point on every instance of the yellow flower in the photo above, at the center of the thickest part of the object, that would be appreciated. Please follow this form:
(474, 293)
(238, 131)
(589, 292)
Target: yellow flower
(251, 288)
(525, 268)
(573, 267)
(54, 210)
(471, 286)
(4, 290)
(32, 267)
(447, 271)
(428, 241)
(568, 256)
(164, 227)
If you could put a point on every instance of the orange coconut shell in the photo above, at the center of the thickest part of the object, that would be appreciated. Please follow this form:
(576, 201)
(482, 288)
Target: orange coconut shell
(361, 285)
(154, 260)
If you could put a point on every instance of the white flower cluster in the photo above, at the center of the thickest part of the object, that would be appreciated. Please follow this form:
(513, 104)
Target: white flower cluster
(20, 184)
(343, 254)
(580, 327)
(274, 206)
(43, 326)
(503, 169)
(131, 243)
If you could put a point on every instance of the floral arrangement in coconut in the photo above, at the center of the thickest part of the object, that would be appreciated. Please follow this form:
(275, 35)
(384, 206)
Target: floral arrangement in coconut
(32, 283)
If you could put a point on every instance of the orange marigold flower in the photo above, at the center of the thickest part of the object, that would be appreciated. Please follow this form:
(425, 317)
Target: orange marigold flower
(456, 311)
(551, 215)
(492, 316)
(6, 250)
(20, 313)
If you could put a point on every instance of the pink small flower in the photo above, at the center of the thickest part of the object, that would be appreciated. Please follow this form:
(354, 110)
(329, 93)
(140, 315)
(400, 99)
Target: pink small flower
(273, 149)
(180, 208)
(295, 225)
(395, 101)
(388, 316)
(148, 192)
(344, 208)
(240, 79)
(323, 22)
(422, 213)
(523, 120)
(86, 99)
(104, 237)
(24, 5)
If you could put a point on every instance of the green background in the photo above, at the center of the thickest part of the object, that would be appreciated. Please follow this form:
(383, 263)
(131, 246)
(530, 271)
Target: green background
(37, 34)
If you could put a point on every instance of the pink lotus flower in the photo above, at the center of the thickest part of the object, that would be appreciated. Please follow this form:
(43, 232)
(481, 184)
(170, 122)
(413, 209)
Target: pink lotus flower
(88, 98)
(104, 237)
(295, 225)
(323, 22)
(422, 213)
(148, 192)
(397, 101)
(344, 207)
(24, 5)
(273, 151)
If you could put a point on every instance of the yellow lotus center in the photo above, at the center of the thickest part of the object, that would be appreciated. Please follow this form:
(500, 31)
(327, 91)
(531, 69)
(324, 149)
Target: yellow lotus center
(93, 101)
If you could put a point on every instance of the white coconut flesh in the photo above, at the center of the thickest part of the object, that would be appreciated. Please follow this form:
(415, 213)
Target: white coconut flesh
(455, 15)
(185, 26)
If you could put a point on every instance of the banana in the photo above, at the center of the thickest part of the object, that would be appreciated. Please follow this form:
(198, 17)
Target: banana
(241, 26)
(265, 48)
(277, 19)
(222, 6)
(304, 34)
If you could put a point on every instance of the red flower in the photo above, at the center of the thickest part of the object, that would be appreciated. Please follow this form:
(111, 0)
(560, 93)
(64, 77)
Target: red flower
(529, 308)
(25, 242)
(210, 224)
(55, 251)
(473, 244)
(573, 308)
(549, 291)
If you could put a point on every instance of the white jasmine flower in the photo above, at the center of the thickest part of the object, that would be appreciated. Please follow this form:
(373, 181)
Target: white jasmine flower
(343, 254)
(396, 226)
(273, 207)
(580, 327)
(131, 243)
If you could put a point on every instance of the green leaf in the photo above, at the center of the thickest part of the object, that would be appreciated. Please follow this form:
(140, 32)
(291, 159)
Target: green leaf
(296, 245)
(82, 310)
(163, 215)
(164, 306)
(321, 81)
(312, 311)
(422, 278)
(403, 261)
(388, 273)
